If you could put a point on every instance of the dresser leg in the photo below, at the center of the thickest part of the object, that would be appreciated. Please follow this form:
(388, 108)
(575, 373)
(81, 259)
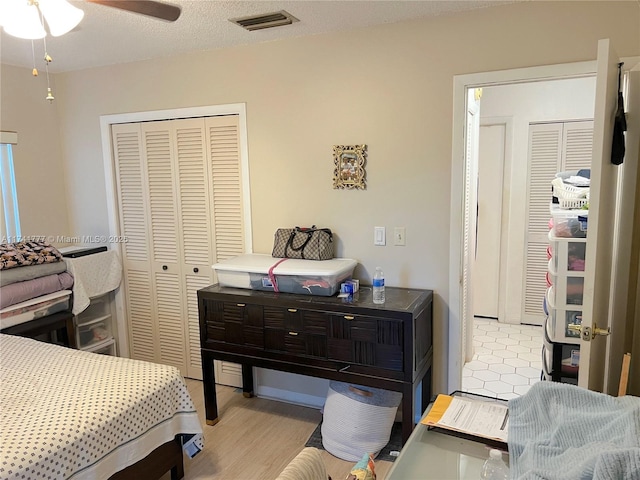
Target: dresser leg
(247, 381)
(408, 414)
(209, 385)
(426, 391)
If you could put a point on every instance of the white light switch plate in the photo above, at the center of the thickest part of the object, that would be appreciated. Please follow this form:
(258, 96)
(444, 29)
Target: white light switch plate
(379, 236)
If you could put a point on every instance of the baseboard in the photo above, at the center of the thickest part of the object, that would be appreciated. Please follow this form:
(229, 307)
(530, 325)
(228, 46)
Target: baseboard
(288, 396)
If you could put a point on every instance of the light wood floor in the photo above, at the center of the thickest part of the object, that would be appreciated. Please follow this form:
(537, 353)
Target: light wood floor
(256, 438)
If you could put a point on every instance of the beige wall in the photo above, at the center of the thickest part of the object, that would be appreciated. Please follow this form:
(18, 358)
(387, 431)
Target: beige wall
(38, 163)
(389, 87)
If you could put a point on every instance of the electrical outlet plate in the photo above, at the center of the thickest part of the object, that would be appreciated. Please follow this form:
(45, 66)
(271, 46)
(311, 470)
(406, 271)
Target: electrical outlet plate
(379, 236)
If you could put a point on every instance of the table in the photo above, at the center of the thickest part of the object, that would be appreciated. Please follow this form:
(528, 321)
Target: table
(60, 322)
(433, 455)
(386, 346)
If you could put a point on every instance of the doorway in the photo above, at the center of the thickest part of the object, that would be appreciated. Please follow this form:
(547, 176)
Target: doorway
(461, 311)
(514, 172)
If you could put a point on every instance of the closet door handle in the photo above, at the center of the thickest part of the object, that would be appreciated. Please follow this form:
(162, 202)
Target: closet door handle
(195, 270)
(164, 267)
(348, 317)
(292, 310)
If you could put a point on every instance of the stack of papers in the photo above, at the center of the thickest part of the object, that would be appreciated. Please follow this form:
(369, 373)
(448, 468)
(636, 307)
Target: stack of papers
(477, 419)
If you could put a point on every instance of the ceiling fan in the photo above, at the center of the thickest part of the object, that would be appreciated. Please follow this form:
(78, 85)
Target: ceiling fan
(151, 8)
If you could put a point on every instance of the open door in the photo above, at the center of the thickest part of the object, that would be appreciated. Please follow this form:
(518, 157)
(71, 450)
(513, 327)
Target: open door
(600, 274)
(472, 133)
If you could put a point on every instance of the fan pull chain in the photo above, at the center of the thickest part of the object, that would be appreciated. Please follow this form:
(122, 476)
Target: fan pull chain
(34, 72)
(47, 61)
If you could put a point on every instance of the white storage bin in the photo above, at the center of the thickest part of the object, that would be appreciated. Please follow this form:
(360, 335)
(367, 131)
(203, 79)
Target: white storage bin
(310, 277)
(94, 332)
(35, 308)
(568, 287)
(107, 347)
(98, 307)
(560, 318)
(568, 254)
(569, 223)
(357, 420)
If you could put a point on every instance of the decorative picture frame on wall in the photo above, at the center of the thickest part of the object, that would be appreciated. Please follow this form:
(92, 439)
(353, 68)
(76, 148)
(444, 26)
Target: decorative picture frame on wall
(349, 166)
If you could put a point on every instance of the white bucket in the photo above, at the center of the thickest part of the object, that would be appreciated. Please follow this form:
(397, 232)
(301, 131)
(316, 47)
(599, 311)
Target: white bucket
(357, 420)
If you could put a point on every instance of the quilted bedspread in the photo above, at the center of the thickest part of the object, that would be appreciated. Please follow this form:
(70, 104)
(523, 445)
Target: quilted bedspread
(74, 414)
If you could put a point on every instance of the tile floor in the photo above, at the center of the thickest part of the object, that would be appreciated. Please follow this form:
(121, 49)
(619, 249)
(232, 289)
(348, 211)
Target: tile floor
(507, 359)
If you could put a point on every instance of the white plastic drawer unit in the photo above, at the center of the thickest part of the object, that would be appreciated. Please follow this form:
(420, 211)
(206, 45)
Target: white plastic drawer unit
(94, 332)
(560, 319)
(567, 254)
(565, 293)
(568, 288)
(95, 327)
(569, 223)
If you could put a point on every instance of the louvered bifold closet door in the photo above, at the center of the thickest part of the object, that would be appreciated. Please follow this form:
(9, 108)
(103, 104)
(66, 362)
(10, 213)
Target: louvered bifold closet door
(576, 145)
(545, 151)
(196, 236)
(133, 212)
(166, 271)
(223, 139)
(224, 142)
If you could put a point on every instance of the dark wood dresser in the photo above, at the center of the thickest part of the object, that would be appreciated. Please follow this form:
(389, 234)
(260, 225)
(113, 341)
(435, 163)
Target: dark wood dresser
(386, 346)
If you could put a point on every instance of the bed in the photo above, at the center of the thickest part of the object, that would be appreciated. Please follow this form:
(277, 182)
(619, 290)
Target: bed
(71, 414)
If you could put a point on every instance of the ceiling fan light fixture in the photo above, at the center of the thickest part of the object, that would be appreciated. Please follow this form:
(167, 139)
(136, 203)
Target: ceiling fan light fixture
(60, 15)
(21, 19)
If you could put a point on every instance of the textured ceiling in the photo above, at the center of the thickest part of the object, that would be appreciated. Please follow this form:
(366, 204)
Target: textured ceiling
(109, 36)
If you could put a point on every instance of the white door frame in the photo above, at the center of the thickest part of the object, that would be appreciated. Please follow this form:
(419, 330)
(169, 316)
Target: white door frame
(111, 187)
(458, 168)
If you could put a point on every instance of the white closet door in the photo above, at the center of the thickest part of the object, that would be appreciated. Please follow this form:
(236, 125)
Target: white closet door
(158, 141)
(132, 194)
(196, 239)
(577, 145)
(553, 147)
(180, 191)
(545, 153)
(224, 141)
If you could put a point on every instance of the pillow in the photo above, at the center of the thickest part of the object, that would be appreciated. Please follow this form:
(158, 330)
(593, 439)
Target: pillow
(364, 469)
(307, 465)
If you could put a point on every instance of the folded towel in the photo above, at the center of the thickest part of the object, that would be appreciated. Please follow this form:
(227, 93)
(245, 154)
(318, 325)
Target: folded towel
(561, 431)
(22, 291)
(22, 254)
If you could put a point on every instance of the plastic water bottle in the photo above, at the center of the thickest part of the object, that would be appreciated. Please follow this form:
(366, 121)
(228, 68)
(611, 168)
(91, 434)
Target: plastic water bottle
(378, 286)
(494, 467)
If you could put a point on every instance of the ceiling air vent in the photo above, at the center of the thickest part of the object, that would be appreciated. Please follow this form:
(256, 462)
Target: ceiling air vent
(267, 20)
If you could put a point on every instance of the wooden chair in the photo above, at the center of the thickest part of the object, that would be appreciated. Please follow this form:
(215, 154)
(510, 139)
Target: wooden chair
(624, 375)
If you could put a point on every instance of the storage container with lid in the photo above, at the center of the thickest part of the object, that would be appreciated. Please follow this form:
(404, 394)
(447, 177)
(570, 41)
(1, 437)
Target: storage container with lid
(263, 272)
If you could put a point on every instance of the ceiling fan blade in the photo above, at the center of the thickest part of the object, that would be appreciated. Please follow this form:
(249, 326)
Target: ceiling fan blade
(151, 8)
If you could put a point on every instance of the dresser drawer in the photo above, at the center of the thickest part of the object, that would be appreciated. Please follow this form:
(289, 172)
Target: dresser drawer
(234, 323)
(367, 341)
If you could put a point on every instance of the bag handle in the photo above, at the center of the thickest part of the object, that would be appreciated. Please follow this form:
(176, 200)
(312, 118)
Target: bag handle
(308, 231)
